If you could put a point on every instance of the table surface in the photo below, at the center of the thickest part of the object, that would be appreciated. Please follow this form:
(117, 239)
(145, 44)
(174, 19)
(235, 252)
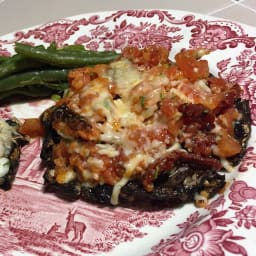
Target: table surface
(19, 14)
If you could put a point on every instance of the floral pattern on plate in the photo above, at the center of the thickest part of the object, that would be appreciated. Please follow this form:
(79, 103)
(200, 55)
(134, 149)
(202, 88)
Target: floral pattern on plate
(37, 223)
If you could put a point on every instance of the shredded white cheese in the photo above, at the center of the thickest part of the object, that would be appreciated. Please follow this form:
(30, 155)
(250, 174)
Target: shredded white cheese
(107, 149)
(4, 166)
(6, 132)
(116, 190)
(227, 166)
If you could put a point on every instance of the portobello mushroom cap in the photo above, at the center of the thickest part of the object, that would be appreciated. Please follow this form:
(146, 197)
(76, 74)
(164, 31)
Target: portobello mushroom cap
(177, 184)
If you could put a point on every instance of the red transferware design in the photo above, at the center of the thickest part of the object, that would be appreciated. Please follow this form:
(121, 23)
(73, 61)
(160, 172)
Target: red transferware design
(33, 222)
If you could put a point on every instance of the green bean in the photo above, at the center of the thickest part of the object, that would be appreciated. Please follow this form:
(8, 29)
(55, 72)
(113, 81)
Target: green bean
(73, 47)
(4, 58)
(35, 91)
(66, 57)
(44, 77)
(17, 63)
(62, 86)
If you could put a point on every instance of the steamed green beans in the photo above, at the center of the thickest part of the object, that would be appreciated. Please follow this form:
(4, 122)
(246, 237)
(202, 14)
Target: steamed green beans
(17, 63)
(67, 57)
(35, 91)
(4, 58)
(45, 77)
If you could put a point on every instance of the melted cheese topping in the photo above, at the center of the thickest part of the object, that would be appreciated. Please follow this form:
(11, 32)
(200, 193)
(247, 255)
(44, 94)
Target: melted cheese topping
(4, 166)
(6, 134)
(118, 118)
(129, 119)
(122, 113)
(125, 75)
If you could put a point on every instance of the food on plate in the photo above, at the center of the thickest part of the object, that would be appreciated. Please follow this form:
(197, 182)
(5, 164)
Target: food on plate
(11, 141)
(37, 71)
(69, 56)
(34, 83)
(32, 127)
(145, 130)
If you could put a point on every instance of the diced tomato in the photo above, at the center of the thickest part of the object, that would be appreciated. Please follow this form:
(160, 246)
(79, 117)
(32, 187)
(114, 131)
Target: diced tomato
(137, 135)
(192, 68)
(227, 119)
(161, 134)
(170, 71)
(199, 95)
(169, 107)
(227, 146)
(217, 84)
(32, 127)
(80, 77)
(174, 74)
(111, 169)
(147, 57)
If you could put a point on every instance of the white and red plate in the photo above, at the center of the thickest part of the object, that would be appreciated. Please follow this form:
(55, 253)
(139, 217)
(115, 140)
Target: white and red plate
(36, 223)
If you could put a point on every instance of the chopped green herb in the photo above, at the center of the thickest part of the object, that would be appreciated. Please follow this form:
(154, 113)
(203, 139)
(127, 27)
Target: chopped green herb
(161, 95)
(156, 173)
(106, 104)
(142, 101)
(55, 97)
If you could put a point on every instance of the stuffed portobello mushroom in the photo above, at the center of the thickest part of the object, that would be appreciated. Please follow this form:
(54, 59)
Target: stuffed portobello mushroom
(145, 131)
